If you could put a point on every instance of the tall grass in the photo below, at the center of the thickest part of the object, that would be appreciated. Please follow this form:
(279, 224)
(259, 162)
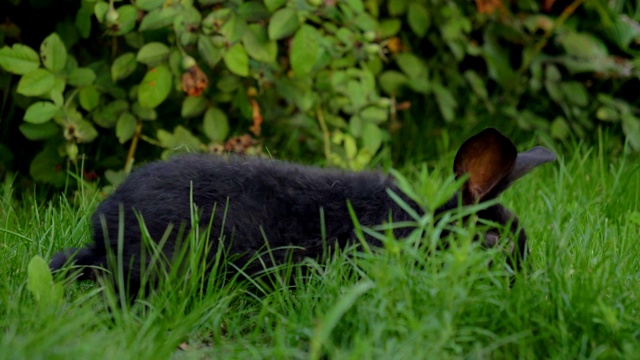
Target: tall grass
(578, 296)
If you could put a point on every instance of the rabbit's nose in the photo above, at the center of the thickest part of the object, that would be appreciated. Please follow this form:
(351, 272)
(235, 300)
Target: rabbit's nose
(492, 239)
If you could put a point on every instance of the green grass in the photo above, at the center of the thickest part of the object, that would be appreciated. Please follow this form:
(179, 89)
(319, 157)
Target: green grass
(579, 297)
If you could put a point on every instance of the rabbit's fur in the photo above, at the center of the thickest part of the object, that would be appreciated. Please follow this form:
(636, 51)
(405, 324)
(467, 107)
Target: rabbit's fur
(278, 202)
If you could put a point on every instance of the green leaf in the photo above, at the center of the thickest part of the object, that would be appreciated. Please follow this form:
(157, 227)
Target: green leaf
(374, 114)
(19, 59)
(420, 85)
(575, 93)
(356, 126)
(631, 129)
(182, 140)
(254, 11)
(274, 4)
(392, 81)
(297, 92)
(356, 93)
(144, 113)
(100, 10)
(411, 65)
(193, 106)
(56, 91)
(67, 32)
(83, 19)
(559, 128)
(47, 166)
(304, 50)
(81, 131)
(107, 116)
(237, 60)
(446, 102)
(389, 27)
(126, 127)
(115, 178)
(40, 282)
(365, 22)
(418, 18)
(356, 5)
(153, 53)
(148, 5)
(36, 132)
(209, 51)
(477, 84)
(257, 44)
(583, 45)
(123, 66)
(89, 97)
(283, 23)
(350, 147)
(158, 18)
(371, 137)
(81, 77)
(36, 82)
(155, 87)
(216, 125)
(234, 28)
(397, 7)
(127, 17)
(40, 112)
(53, 53)
(605, 113)
(554, 90)
(498, 61)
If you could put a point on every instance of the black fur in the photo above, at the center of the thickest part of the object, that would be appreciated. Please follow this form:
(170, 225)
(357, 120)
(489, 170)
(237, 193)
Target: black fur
(272, 200)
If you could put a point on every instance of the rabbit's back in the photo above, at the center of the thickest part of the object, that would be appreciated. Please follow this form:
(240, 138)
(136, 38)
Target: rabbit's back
(248, 200)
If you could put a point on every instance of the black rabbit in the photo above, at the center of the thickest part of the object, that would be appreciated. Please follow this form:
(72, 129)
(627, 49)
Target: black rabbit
(278, 202)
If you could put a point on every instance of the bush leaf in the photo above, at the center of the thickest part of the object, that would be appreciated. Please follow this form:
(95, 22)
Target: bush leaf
(126, 127)
(193, 106)
(53, 53)
(418, 18)
(237, 60)
(19, 59)
(35, 83)
(81, 77)
(209, 51)
(283, 23)
(37, 132)
(257, 44)
(304, 50)
(89, 97)
(158, 18)
(153, 53)
(155, 87)
(123, 66)
(40, 112)
(216, 125)
(40, 282)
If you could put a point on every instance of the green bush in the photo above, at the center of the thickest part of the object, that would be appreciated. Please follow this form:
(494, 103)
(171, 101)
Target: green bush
(314, 76)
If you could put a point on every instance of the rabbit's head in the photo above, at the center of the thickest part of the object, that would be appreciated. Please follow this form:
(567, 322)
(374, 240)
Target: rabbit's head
(492, 164)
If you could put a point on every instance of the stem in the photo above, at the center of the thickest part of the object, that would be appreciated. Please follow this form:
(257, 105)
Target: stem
(325, 133)
(132, 149)
(537, 48)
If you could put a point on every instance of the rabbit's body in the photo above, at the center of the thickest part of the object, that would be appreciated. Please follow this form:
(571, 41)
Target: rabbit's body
(258, 201)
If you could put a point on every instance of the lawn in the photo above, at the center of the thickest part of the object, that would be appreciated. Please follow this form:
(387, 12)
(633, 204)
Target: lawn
(578, 297)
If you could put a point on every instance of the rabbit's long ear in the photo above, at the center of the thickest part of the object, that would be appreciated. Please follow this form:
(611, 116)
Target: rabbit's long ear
(525, 162)
(488, 158)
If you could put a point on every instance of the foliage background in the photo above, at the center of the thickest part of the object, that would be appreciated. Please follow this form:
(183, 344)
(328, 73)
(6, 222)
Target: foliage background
(98, 85)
